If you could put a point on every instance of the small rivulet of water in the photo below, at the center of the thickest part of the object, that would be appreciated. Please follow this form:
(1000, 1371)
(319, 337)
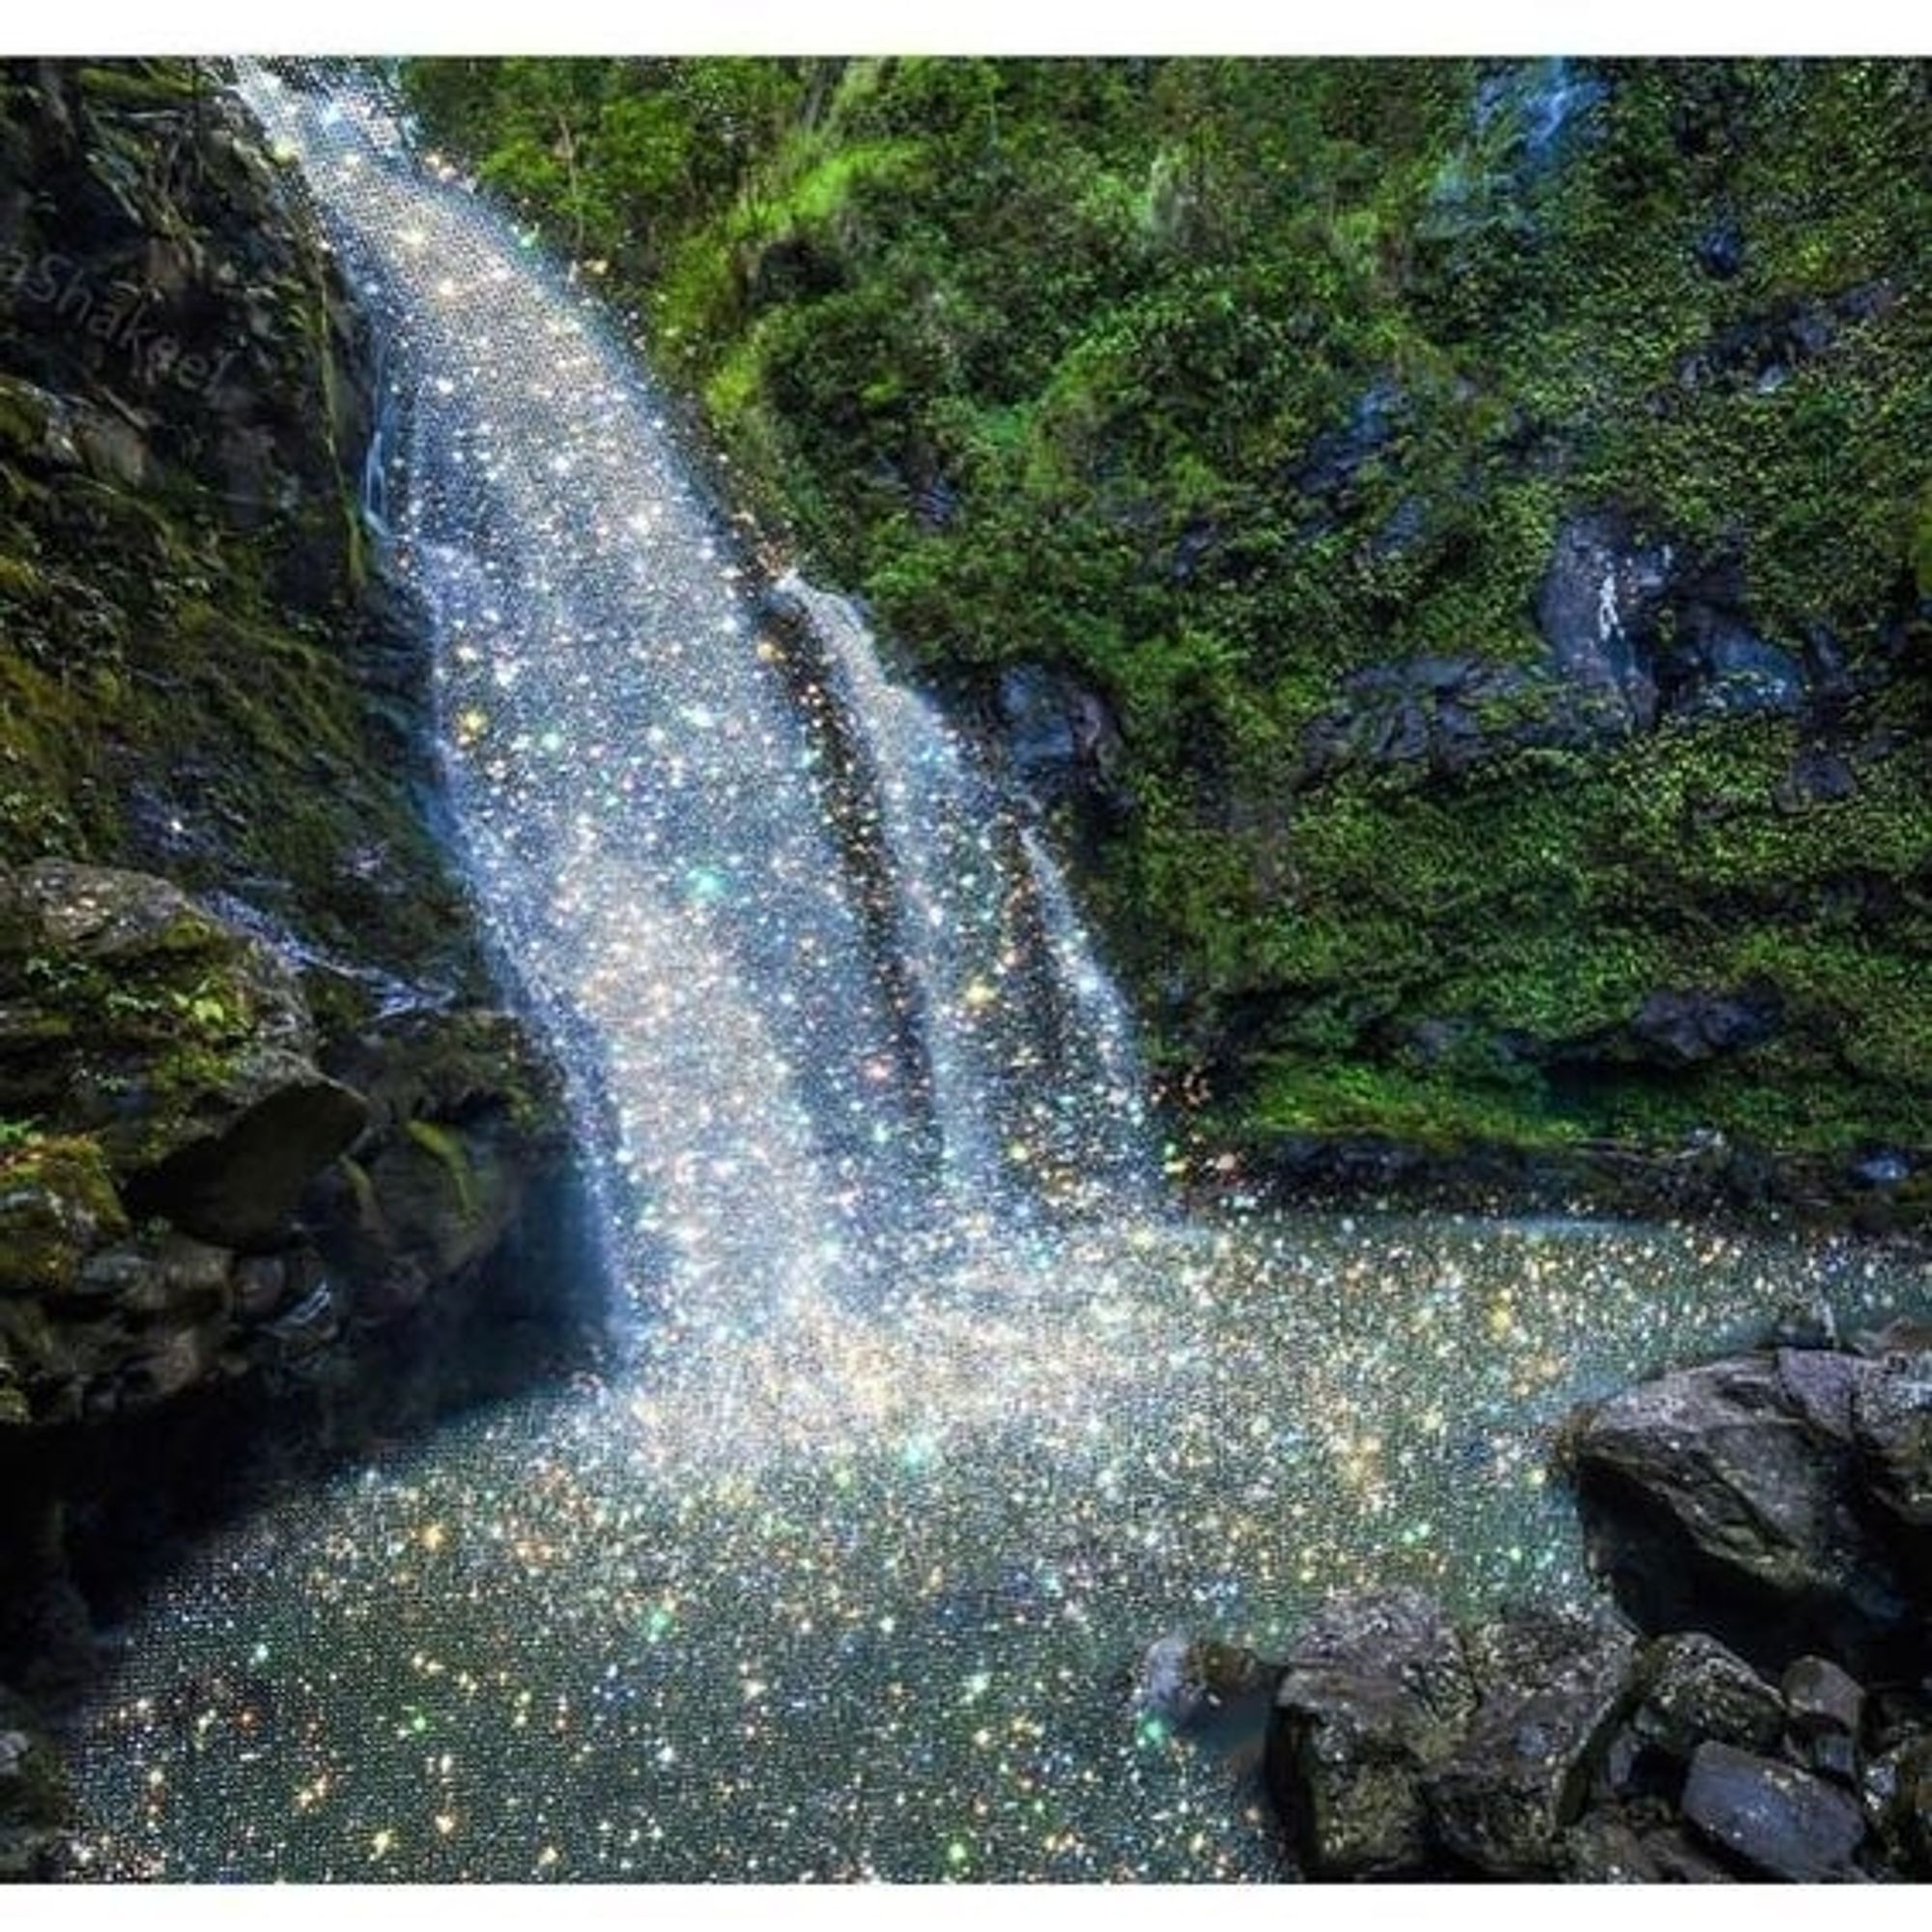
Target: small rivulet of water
(932, 1418)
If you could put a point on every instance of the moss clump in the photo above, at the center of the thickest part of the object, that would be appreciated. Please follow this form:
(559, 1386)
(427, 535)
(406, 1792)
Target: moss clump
(57, 1202)
(445, 1146)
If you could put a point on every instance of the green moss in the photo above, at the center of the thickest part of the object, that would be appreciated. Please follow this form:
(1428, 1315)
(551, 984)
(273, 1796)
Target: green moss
(57, 1202)
(1442, 1116)
(445, 1146)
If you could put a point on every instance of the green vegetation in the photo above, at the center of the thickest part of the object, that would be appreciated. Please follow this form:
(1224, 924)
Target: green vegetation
(1211, 382)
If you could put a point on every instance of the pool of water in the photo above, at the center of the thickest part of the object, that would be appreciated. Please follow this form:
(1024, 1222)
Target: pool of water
(863, 1593)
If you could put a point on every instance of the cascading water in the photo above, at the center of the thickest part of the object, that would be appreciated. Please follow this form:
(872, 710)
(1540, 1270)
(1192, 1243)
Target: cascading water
(934, 1422)
(813, 960)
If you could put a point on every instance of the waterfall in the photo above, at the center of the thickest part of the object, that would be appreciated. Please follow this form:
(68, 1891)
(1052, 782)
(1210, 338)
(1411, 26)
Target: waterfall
(818, 967)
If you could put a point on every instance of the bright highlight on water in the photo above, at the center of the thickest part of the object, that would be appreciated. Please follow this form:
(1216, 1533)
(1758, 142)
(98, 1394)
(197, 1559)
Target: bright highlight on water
(931, 1420)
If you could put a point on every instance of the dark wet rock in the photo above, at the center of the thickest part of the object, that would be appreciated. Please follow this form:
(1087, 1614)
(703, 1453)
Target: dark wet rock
(1808, 1324)
(1763, 352)
(1892, 1427)
(35, 1800)
(1692, 1688)
(1822, 1699)
(240, 1184)
(1718, 1498)
(1684, 1028)
(465, 1113)
(1217, 1693)
(1598, 607)
(1327, 475)
(1720, 249)
(183, 1046)
(1908, 1810)
(58, 1204)
(1817, 777)
(1555, 1687)
(1730, 673)
(1887, 1167)
(1061, 737)
(1374, 1694)
(1783, 1822)
(1819, 1383)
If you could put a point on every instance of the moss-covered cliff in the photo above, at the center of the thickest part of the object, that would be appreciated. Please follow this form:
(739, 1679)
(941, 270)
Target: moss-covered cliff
(1455, 535)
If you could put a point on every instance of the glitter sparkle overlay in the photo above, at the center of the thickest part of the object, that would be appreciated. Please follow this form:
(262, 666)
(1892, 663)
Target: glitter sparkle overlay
(931, 1420)
(871, 1607)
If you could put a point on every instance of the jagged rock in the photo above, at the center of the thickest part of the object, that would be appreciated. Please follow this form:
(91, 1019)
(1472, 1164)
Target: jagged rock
(1716, 1497)
(1909, 1814)
(1781, 1821)
(57, 1204)
(465, 1110)
(1691, 1688)
(1818, 1383)
(1555, 1687)
(1892, 1426)
(1601, 1850)
(1062, 738)
(1374, 1695)
(1730, 673)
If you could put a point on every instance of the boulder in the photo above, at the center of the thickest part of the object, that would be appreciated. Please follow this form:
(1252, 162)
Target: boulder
(1891, 1428)
(1727, 1497)
(1693, 1688)
(465, 1112)
(1372, 1695)
(1555, 1687)
(1780, 1821)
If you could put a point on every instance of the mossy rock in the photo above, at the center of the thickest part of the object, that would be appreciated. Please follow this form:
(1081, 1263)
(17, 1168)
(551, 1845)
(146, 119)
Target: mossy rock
(180, 1044)
(58, 1203)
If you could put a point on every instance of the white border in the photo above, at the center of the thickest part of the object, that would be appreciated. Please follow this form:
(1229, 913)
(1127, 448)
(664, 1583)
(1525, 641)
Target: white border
(971, 26)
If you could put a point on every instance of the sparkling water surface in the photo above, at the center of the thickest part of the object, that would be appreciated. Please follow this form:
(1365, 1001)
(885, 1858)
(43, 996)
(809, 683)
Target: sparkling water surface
(868, 1600)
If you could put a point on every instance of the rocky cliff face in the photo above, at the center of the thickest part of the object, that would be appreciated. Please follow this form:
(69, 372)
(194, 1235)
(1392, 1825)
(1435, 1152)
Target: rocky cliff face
(277, 1170)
